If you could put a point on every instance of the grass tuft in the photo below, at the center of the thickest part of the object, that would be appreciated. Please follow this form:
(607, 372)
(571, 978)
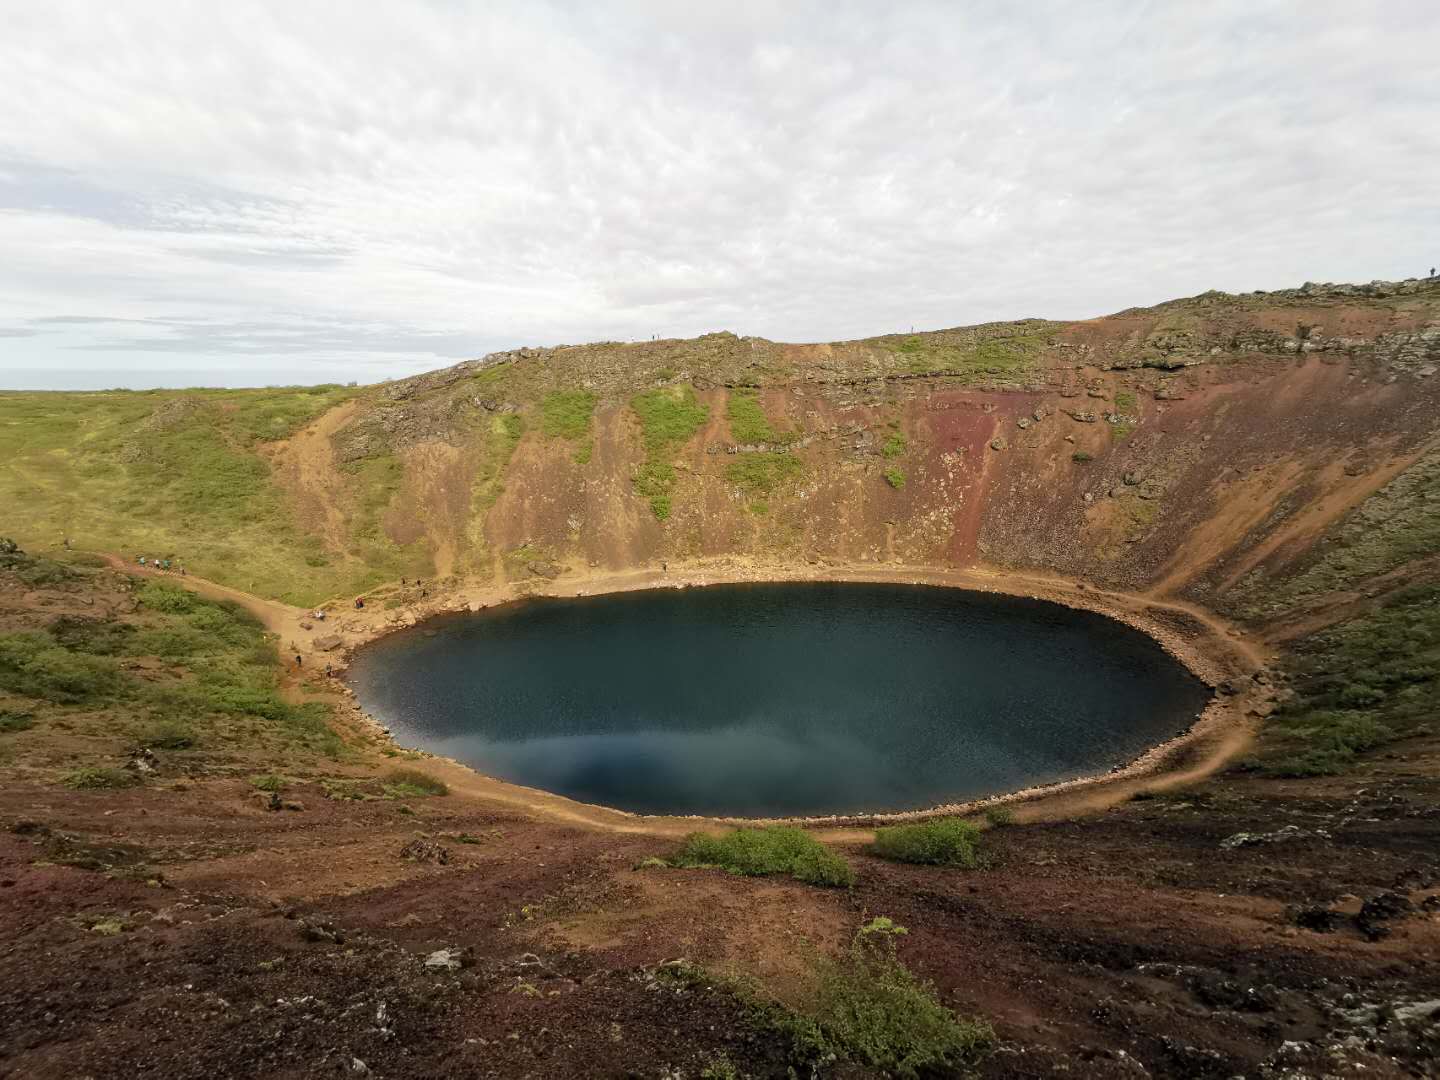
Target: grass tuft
(94, 778)
(413, 784)
(774, 849)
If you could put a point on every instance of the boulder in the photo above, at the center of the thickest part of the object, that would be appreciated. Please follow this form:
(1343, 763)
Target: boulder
(443, 960)
(999, 443)
(328, 642)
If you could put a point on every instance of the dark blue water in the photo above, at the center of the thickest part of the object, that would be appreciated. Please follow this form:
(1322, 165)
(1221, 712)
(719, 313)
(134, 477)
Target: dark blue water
(779, 699)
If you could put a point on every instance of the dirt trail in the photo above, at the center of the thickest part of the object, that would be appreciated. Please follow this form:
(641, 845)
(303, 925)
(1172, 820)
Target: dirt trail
(307, 460)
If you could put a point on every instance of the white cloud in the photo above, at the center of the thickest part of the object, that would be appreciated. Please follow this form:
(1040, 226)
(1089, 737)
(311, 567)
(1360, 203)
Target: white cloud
(343, 190)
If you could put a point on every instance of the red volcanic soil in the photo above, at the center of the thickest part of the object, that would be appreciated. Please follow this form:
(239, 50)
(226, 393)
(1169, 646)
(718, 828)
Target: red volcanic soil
(189, 932)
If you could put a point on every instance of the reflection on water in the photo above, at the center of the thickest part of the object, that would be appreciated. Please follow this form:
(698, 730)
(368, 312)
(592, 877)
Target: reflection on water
(779, 699)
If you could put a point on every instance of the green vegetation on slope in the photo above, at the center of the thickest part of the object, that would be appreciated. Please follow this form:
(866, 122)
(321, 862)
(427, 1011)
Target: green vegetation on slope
(1398, 524)
(761, 474)
(748, 422)
(1359, 686)
(668, 417)
(775, 849)
(217, 678)
(565, 414)
(178, 474)
(498, 441)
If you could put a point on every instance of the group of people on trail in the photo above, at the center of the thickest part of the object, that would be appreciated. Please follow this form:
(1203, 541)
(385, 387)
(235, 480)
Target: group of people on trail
(158, 564)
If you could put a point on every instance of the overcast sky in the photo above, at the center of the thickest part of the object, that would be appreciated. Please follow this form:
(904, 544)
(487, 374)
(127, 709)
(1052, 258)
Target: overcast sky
(245, 193)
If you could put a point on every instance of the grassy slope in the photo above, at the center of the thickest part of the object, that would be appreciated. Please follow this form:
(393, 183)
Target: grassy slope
(180, 673)
(168, 474)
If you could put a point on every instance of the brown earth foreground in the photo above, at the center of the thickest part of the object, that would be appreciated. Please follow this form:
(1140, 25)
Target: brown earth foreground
(183, 929)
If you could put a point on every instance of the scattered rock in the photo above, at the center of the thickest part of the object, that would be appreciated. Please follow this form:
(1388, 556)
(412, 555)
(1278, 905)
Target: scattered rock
(1082, 416)
(999, 443)
(1023, 423)
(1317, 918)
(1282, 835)
(321, 931)
(443, 960)
(422, 849)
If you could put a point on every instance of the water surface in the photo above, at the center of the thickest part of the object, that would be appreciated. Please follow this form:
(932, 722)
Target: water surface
(779, 699)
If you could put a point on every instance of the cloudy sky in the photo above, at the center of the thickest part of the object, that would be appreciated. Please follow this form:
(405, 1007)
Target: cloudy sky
(253, 192)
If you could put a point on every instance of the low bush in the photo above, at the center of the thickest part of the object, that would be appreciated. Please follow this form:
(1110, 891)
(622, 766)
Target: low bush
(15, 721)
(874, 1009)
(761, 474)
(775, 849)
(413, 784)
(999, 816)
(895, 478)
(864, 1006)
(1080, 457)
(267, 782)
(938, 842)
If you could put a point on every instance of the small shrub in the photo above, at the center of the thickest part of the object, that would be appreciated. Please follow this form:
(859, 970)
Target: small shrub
(774, 849)
(1125, 400)
(893, 446)
(15, 721)
(267, 782)
(92, 778)
(720, 1067)
(168, 735)
(895, 477)
(761, 474)
(874, 1009)
(1080, 457)
(999, 816)
(168, 597)
(413, 784)
(938, 842)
